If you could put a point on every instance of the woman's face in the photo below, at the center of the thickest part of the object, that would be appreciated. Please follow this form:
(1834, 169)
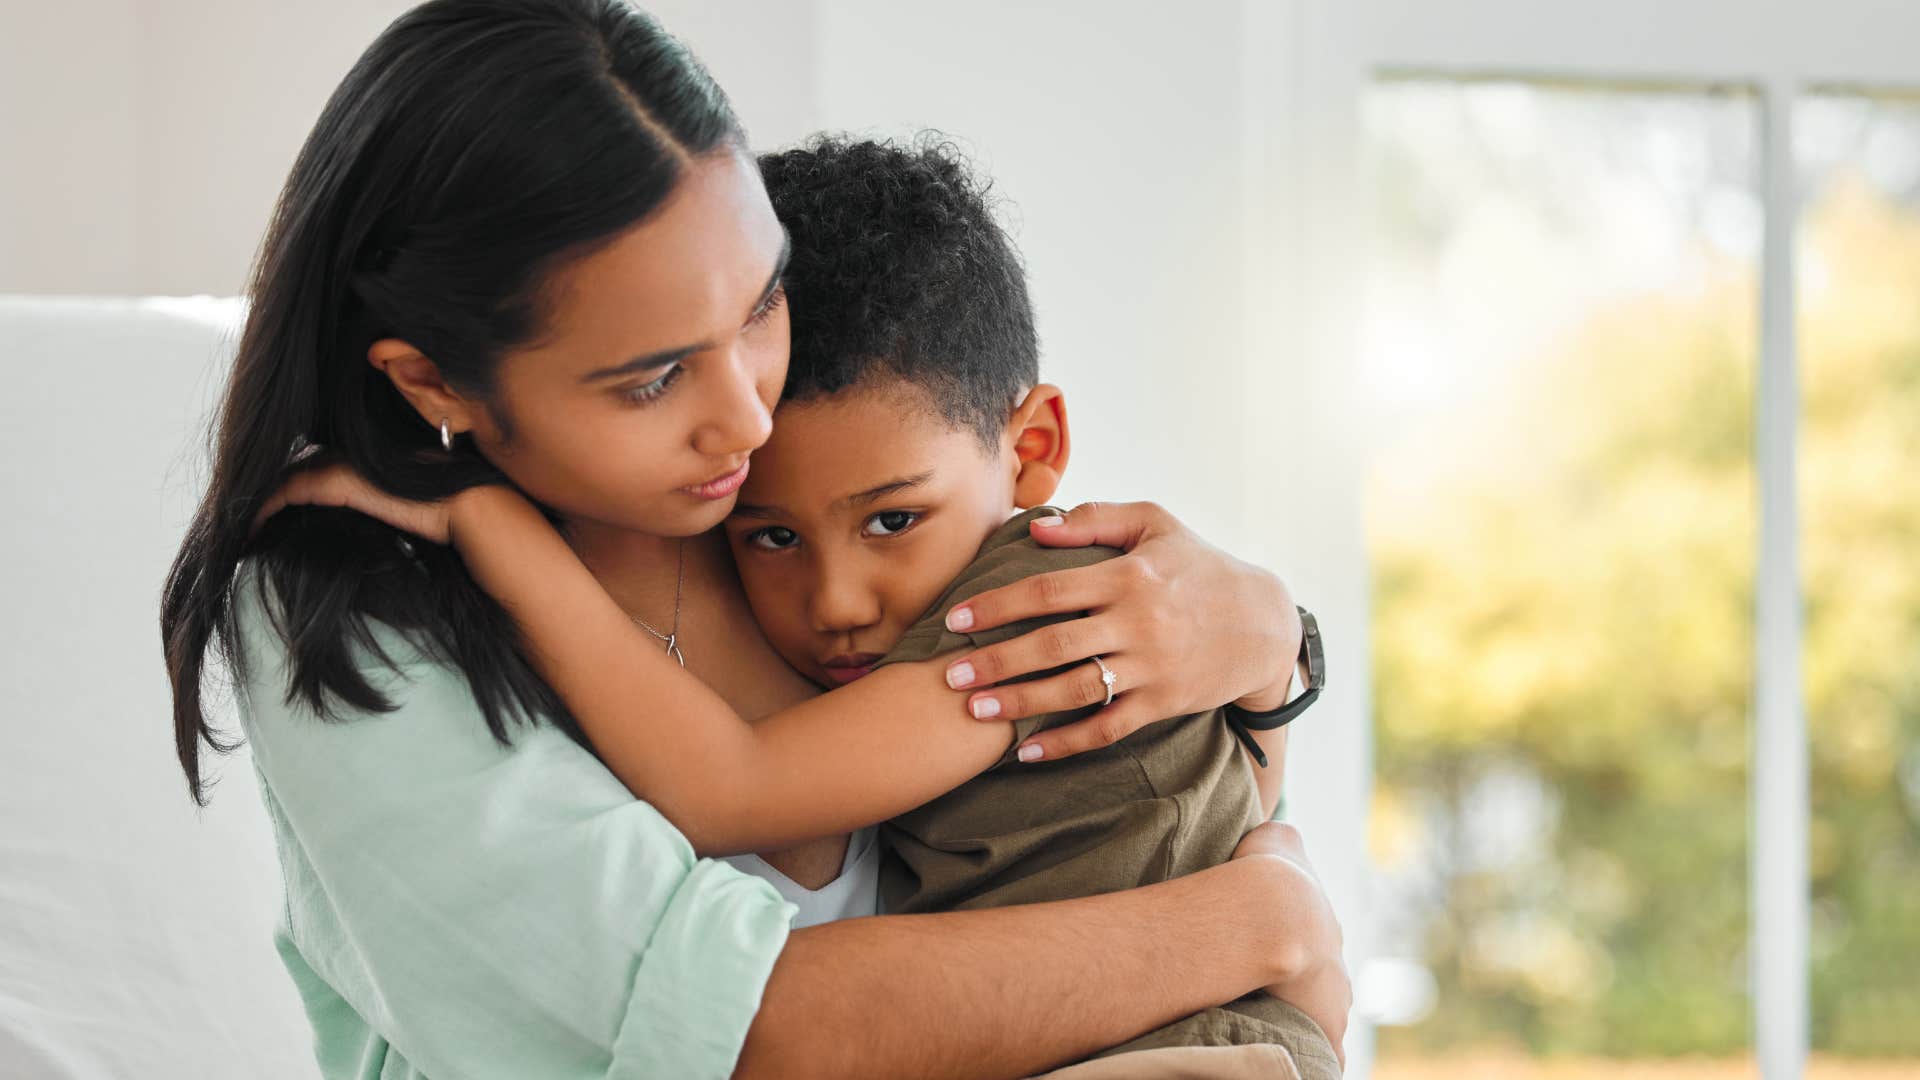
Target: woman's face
(664, 357)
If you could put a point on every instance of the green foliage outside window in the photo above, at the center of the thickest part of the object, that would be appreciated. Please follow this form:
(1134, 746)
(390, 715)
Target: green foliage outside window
(1563, 636)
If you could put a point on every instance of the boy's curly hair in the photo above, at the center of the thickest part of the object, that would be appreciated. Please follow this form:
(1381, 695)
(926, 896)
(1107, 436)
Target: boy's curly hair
(899, 266)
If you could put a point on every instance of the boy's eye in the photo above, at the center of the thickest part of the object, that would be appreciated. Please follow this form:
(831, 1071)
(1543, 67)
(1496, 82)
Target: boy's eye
(889, 523)
(773, 538)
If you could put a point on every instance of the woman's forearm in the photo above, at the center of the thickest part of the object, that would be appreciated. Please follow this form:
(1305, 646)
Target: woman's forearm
(1010, 992)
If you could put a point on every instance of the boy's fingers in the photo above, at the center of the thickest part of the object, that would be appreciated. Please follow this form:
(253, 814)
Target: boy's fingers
(1057, 592)
(292, 491)
(1120, 525)
(272, 507)
(1273, 838)
(1108, 726)
(318, 486)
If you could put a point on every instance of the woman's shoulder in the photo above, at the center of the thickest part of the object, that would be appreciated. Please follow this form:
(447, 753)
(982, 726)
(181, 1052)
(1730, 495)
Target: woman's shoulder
(328, 573)
(379, 673)
(310, 566)
(355, 670)
(343, 618)
(401, 718)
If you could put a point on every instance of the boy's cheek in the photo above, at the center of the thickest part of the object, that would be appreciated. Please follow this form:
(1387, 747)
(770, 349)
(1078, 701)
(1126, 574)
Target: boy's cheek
(776, 600)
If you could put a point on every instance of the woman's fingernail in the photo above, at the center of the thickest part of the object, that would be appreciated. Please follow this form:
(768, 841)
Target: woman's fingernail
(960, 618)
(960, 675)
(1031, 752)
(1051, 521)
(985, 708)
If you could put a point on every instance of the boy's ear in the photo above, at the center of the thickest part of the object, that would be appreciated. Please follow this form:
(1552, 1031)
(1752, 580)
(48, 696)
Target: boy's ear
(1040, 445)
(419, 381)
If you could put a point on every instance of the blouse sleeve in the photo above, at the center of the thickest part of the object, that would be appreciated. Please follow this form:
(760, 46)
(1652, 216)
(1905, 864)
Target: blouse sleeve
(485, 911)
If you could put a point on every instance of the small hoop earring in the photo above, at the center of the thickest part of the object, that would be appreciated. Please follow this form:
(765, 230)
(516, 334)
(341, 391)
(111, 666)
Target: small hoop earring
(446, 436)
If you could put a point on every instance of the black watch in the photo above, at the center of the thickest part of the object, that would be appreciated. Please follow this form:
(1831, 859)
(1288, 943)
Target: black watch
(1243, 722)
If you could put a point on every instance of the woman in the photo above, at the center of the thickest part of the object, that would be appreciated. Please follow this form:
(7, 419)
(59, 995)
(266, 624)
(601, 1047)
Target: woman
(522, 245)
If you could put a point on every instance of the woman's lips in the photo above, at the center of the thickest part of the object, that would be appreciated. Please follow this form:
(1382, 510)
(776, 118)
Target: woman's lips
(720, 487)
(845, 675)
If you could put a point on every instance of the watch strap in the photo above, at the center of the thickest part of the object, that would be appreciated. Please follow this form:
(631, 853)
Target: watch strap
(1244, 722)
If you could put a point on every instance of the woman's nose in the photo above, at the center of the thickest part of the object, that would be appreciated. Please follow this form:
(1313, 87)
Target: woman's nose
(739, 418)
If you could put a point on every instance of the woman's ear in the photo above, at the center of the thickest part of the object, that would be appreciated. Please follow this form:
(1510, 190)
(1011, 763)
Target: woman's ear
(1040, 445)
(419, 381)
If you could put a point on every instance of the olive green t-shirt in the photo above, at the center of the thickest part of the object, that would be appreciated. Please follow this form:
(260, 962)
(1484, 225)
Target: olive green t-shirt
(1172, 798)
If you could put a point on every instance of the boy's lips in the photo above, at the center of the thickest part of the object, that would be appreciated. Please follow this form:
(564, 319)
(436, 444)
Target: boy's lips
(720, 486)
(847, 667)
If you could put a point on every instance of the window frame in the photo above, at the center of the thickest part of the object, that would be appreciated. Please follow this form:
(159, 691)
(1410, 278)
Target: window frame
(1307, 65)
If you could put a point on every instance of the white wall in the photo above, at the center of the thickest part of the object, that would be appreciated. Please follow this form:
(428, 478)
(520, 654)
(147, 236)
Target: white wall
(1117, 138)
(67, 123)
(1183, 253)
(144, 141)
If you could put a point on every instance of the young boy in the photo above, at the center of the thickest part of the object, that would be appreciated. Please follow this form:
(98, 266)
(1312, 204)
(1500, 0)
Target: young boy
(912, 430)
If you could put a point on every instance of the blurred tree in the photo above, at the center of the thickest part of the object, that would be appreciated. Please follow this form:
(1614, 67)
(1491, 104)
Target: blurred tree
(1563, 649)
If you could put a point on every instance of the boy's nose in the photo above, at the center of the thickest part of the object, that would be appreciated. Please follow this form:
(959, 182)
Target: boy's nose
(843, 605)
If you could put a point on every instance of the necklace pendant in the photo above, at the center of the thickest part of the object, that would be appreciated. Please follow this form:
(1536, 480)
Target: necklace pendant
(673, 649)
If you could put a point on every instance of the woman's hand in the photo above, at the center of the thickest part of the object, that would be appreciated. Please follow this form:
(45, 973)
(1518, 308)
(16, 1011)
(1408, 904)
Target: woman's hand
(339, 485)
(1312, 971)
(1183, 626)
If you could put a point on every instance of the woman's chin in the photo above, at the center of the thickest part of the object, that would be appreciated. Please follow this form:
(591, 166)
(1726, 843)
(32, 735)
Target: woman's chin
(690, 516)
(669, 516)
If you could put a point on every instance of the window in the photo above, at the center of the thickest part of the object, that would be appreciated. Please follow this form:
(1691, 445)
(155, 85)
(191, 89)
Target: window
(1859, 330)
(1786, 304)
(1561, 346)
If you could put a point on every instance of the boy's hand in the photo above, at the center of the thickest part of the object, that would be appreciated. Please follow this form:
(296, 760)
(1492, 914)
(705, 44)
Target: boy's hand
(1183, 626)
(340, 485)
(1314, 976)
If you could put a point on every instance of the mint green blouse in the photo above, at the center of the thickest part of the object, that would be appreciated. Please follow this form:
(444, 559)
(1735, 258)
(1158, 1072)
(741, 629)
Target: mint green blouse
(459, 909)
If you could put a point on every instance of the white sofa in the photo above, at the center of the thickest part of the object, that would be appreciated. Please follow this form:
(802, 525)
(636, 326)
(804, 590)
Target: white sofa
(134, 930)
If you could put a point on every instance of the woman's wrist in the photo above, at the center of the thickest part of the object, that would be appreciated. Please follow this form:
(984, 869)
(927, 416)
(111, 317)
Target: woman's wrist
(1271, 697)
(1279, 657)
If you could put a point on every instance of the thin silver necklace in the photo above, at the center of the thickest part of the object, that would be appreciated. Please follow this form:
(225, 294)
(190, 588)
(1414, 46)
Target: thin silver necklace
(672, 639)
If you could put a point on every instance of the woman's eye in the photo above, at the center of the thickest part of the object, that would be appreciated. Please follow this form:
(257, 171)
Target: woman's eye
(640, 395)
(770, 305)
(773, 538)
(890, 523)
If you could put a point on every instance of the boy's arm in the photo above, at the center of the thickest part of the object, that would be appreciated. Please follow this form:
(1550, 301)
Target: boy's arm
(850, 758)
(1272, 743)
(814, 864)
(1270, 779)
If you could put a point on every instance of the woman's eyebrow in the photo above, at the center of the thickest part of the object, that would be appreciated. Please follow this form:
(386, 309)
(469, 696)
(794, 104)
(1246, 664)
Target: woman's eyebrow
(642, 363)
(669, 356)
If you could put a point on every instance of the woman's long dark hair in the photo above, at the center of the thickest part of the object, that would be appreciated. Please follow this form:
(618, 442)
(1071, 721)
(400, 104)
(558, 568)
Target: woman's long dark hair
(475, 147)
